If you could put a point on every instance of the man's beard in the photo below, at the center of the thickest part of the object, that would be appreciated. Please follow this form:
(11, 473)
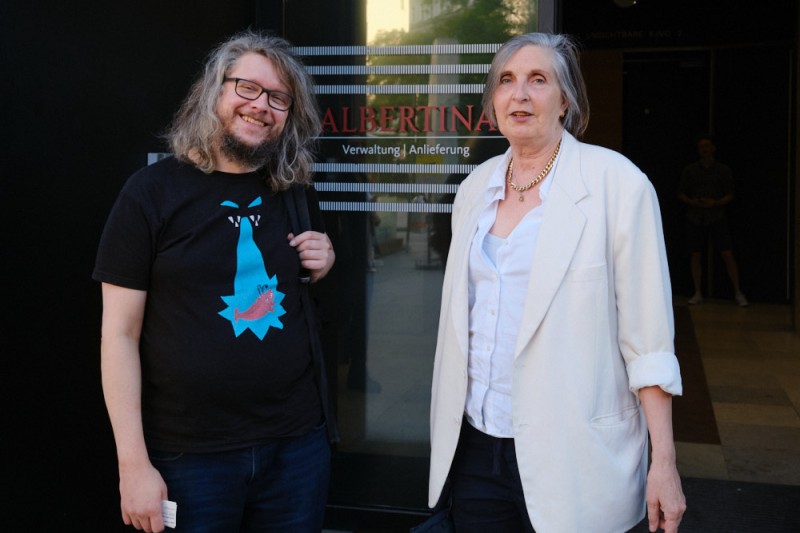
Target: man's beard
(246, 155)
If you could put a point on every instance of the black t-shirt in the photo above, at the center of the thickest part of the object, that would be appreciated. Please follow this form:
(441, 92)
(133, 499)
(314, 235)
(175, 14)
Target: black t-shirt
(224, 348)
(709, 182)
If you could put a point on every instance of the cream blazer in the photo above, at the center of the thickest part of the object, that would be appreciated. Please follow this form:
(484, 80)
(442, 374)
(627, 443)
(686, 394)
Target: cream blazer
(597, 326)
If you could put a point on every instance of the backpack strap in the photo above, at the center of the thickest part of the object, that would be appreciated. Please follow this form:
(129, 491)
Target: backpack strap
(297, 207)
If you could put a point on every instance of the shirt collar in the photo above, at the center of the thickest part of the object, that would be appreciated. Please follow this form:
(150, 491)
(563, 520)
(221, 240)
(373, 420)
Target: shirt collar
(495, 187)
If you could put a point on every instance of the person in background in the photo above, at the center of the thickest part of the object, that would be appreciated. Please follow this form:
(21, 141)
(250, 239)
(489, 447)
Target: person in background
(706, 188)
(206, 365)
(555, 353)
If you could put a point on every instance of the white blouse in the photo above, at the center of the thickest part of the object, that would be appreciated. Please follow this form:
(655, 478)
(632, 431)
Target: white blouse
(499, 272)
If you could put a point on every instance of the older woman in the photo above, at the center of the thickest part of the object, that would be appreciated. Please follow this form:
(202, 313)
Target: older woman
(555, 349)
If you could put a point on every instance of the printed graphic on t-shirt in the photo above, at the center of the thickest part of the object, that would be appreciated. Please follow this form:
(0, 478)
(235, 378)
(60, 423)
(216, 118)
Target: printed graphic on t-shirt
(256, 301)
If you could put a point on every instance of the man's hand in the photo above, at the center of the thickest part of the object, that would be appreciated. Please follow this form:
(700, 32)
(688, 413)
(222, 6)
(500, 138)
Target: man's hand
(142, 489)
(315, 251)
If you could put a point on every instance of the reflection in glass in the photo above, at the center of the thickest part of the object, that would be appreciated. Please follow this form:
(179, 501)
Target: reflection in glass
(402, 127)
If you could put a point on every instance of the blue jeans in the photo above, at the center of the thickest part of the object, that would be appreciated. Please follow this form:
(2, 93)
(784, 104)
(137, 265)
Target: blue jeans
(275, 487)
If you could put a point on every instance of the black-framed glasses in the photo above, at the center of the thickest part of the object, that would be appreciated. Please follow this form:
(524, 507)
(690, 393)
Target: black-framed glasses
(250, 90)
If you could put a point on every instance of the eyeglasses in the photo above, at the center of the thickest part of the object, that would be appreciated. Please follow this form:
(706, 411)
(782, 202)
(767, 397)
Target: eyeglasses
(250, 90)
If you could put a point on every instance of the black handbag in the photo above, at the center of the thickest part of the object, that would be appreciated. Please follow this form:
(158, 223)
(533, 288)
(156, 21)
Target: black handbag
(297, 206)
(441, 521)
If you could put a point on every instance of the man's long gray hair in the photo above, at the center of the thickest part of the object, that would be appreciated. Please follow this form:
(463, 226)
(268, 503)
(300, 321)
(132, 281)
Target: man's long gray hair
(196, 127)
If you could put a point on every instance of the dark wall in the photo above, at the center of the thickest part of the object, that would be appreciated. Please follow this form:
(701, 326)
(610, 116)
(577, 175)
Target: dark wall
(752, 129)
(702, 66)
(87, 88)
(666, 101)
(662, 23)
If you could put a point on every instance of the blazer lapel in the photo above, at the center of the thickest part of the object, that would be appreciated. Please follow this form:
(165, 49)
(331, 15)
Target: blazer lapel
(559, 235)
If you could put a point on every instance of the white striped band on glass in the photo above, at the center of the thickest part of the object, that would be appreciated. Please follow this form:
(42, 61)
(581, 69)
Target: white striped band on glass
(353, 168)
(429, 49)
(387, 207)
(382, 137)
(386, 188)
(451, 88)
(355, 70)
(393, 168)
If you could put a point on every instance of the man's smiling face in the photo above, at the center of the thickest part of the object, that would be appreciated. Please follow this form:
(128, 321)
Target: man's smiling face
(250, 124)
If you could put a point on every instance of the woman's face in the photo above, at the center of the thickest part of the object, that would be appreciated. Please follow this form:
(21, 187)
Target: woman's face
(528, 101)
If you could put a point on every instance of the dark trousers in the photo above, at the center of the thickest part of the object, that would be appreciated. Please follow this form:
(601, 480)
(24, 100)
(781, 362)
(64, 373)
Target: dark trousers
(486, 488)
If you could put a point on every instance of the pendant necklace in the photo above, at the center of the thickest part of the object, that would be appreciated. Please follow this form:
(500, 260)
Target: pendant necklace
(537, 179)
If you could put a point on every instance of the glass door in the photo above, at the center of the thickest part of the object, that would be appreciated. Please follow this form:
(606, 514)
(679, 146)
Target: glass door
(399, 84)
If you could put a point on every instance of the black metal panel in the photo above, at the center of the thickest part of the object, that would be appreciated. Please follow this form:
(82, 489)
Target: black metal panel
(651, 23)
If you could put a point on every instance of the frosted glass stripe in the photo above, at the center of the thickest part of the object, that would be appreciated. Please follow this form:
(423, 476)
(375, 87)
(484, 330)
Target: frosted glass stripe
(361, 70)
(387, 207)
(382, 168)
(430, 49)
(451, 88)
(387, 188)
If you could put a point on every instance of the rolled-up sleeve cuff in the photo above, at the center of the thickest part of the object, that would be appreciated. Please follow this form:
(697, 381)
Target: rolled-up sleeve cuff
(655, 369)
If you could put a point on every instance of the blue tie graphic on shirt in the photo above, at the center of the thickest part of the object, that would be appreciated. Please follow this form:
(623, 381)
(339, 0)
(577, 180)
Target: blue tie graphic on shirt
(256, 301)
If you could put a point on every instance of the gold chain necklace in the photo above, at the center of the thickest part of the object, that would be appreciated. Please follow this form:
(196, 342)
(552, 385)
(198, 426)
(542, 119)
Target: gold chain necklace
(537, 179)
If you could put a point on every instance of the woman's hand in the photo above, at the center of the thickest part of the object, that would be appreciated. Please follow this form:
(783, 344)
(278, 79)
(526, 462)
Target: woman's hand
(315, 251)
(665, 500)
